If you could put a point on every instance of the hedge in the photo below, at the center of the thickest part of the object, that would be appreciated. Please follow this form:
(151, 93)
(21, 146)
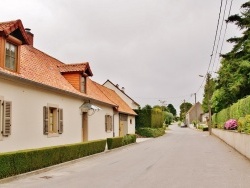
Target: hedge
(150, 132)
(149, 118)
(14, 163)
(236, 111)
(116, 142)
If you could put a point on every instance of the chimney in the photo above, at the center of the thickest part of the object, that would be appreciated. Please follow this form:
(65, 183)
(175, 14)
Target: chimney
(30, 35)
(123, 89)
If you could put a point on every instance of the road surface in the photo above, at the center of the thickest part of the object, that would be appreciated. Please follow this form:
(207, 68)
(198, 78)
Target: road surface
(183, 158)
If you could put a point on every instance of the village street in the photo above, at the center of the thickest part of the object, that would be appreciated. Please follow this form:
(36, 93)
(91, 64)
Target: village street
(182, 158)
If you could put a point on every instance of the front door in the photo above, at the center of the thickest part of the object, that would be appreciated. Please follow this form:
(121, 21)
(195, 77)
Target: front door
(84, 126)
(123, 124)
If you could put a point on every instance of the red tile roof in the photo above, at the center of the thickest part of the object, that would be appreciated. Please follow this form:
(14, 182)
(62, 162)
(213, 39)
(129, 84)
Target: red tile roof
(7, 28)
(81, 67)
(123, 107)
(43, 69)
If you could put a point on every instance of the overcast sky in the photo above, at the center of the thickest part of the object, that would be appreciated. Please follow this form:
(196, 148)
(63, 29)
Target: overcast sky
(154, 48)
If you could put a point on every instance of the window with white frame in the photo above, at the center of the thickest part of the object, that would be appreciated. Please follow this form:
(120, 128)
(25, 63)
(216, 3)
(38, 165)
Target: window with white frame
(108, 123)
(5, 117)
(52, 120)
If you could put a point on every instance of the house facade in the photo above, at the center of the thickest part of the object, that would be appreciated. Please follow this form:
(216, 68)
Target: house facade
(45, 102)
(130, 124)
(194, 113)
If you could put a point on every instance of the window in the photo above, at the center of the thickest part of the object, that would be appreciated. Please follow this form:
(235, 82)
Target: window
(83, 84)
(130, 121)
(108, 123)
(11, 56)
(5, 117)
(52, 120)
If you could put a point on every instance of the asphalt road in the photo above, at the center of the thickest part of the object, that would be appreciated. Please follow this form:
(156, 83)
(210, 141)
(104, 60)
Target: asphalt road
(182, 158)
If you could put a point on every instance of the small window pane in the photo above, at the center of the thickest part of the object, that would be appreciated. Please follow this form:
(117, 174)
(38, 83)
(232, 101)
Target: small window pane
(10, 56)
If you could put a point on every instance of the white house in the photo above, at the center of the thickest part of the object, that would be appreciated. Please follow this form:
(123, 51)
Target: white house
(45, 102)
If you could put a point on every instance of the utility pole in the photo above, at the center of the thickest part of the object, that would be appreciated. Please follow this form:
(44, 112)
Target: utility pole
(196, 118)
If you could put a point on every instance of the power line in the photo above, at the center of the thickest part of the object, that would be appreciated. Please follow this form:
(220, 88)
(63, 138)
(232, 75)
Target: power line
(229, 12)
(217, 46)
(211, 56)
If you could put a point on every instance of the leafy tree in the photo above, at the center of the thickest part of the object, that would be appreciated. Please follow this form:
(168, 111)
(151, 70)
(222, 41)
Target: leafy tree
(233, 81)
(208, 92)
(147, 107)
(168, 118)
(171, 109)
(184, 107)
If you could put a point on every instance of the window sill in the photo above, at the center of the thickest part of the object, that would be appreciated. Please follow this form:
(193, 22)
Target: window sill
(50, 135)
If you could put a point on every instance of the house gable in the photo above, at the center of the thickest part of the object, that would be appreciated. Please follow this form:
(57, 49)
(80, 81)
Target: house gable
(122, 94)
(12, 37)
(76, 75)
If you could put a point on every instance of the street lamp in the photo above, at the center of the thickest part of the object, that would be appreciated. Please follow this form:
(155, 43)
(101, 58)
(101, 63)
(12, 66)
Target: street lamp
(209, 102)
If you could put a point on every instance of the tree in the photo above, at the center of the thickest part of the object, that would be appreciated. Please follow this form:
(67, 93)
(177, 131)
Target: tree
(208, 92)
(233, 81)
(171, 109)
(184, 107)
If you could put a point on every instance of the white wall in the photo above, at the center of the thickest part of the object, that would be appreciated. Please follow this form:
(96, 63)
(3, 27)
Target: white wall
(131, 127)
(27, 118)
(96, 123)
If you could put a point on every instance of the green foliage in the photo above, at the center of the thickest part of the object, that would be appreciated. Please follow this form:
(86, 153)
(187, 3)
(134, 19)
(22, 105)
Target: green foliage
(239, 111)
(151, 132)
(143, 118)
(168, 117)
(14, 163)
(157, 118)
(171, 109)
(208, 92)
(233, 81)
(241, 124)
(116, 142)
(184, 107)
(149, 117)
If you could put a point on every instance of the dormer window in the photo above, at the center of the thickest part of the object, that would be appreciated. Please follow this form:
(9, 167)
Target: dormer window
(83, 84)
(11, 56)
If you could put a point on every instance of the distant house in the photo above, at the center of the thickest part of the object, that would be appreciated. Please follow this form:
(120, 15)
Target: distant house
(194, 113)
(122, 94)
(45, 102)
(129, 126)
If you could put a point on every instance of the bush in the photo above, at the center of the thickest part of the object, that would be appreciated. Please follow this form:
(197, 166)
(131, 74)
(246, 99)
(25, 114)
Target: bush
(230, 124)
(14, 163)
(151, 132)
(116, 142)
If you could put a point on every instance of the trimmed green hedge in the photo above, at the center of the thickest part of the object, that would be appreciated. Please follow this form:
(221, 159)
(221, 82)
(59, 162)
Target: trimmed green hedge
(149, 118)
(236, 111)
(14, 163)
(150, 132)
(116, 142)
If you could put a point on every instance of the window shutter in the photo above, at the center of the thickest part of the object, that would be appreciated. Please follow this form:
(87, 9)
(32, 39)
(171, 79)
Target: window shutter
(60, 121)
(7, 110)
(106, 123)
(110, 123)
(45, 120)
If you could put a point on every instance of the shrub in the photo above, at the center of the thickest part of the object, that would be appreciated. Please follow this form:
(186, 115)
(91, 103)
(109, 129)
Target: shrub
(14, 163)
(241, 124)
(151, 132)
(230, 124)
(116, 142)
